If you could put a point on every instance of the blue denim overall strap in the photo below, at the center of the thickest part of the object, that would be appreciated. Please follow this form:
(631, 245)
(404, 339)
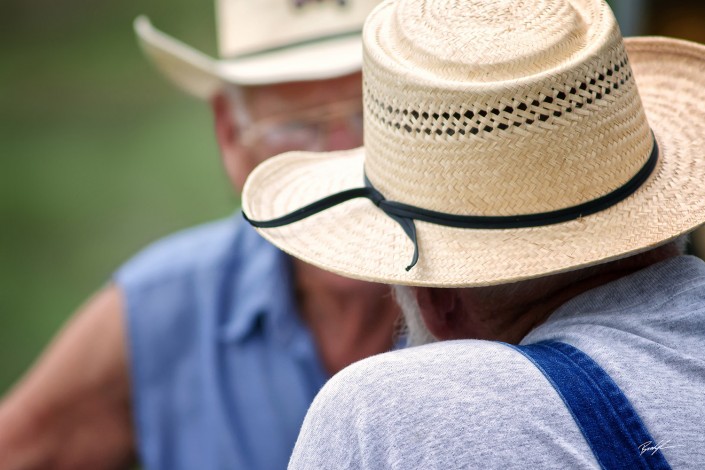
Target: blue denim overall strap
(603, 413)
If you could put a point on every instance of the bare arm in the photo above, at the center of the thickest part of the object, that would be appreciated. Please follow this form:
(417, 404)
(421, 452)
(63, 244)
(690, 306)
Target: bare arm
(72, 409)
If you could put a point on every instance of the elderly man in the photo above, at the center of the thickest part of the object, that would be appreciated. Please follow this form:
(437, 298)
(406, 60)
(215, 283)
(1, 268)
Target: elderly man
(529, 174)
(207, 348)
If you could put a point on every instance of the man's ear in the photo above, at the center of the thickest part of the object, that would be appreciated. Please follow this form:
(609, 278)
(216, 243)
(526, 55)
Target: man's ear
(236, 159)
(440, 311)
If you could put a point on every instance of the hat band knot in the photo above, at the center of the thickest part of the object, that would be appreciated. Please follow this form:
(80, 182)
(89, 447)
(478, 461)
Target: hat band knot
(406, 214)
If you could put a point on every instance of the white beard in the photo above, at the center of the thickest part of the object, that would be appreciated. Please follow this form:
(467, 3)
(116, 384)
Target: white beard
(415, 329)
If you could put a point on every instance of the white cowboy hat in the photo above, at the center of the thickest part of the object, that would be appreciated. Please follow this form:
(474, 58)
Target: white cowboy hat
(264, 42)
(503, 141)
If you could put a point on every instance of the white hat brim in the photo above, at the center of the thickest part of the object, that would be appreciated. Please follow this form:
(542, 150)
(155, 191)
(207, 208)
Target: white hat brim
(202, 75)
(356, 239)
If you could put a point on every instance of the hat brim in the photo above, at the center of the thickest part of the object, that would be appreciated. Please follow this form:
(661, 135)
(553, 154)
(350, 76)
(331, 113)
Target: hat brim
(357, 240)
(202, 76)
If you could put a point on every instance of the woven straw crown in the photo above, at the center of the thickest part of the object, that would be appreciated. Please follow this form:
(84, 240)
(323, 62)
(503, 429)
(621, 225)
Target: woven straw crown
(458, 122)
(504, 140)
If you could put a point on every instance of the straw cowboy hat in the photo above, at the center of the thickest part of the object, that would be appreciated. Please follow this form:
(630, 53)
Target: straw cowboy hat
(504, 140)
(264, 42)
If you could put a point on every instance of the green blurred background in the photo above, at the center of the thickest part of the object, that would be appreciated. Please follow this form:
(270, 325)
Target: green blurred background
(99, 155)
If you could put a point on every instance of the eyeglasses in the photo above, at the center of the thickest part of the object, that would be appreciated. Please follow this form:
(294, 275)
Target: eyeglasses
(305, 130)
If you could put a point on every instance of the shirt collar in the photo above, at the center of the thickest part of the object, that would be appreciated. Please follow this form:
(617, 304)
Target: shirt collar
(262, 293)
(649, 286)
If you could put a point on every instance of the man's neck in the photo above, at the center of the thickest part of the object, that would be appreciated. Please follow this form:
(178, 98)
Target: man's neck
(349, 320)
(530, 316)
(509, 312)
(567, 287)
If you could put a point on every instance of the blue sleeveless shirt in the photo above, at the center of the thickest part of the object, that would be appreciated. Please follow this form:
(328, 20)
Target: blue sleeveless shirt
(222, 368)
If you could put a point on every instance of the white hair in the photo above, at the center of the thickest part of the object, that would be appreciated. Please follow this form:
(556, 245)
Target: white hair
(236, 96)
(682, 243)
(415, 329)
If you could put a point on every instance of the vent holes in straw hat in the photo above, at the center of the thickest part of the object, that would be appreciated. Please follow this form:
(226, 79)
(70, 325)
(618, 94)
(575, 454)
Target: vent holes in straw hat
(456, 123)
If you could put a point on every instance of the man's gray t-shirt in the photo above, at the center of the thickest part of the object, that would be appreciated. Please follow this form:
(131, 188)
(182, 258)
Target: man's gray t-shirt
(481, 404)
